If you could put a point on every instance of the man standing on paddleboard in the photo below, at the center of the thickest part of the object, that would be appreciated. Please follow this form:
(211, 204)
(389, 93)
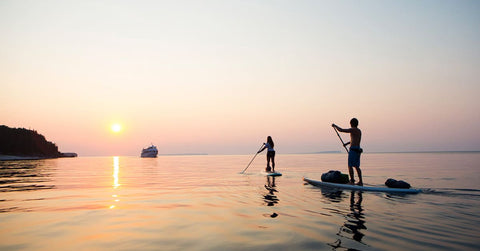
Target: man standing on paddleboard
(355, 150)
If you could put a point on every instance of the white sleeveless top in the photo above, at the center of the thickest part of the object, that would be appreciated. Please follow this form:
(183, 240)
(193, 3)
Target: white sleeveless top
(270, 148)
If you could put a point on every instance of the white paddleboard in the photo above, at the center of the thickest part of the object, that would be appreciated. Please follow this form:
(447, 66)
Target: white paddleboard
(361, 188)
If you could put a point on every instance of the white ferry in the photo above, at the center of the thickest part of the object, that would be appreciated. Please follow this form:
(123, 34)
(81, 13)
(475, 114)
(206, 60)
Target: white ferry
(149, 152)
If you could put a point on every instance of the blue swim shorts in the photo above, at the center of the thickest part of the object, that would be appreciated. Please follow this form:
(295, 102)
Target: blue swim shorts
(354, 157)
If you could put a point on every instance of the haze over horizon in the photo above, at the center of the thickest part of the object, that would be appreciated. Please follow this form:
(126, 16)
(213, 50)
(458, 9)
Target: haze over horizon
(218, 77)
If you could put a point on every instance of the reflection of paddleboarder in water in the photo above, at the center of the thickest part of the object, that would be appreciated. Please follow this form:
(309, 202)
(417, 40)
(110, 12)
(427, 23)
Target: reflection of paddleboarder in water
(355, 221)
(270, 198)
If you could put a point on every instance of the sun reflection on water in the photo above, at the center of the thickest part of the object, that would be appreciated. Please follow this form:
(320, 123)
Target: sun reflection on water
(116, 184)
(116, 170)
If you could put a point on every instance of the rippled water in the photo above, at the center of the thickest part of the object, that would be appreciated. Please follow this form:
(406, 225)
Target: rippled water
(204, 203)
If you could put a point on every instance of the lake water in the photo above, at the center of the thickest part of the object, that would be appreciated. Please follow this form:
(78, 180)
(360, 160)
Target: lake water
(204, 203)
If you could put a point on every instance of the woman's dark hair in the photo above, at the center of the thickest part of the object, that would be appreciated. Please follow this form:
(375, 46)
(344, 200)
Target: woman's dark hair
(354, 122)
(270, 141)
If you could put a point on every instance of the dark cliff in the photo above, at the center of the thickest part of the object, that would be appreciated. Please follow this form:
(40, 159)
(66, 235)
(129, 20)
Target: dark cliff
(24, 142)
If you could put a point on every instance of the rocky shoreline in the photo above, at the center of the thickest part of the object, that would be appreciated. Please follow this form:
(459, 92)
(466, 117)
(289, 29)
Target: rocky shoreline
(13, 157)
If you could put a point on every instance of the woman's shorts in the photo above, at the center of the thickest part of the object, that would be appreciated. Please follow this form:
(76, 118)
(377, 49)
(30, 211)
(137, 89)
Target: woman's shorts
(271, 154)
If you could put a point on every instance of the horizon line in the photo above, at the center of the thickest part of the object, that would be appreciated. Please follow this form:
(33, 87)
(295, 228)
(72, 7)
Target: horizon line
(306, 153)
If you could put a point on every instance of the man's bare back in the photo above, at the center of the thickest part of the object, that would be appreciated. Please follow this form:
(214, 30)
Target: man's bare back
(355, 136)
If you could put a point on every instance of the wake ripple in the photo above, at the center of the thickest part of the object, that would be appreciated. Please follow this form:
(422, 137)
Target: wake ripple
(453, 192)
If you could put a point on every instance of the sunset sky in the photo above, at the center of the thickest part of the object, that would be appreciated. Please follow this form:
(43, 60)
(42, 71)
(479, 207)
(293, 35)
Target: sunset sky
(218, 77)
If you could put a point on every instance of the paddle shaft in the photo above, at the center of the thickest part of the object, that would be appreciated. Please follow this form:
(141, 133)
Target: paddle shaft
(343, 144)
(252, 159)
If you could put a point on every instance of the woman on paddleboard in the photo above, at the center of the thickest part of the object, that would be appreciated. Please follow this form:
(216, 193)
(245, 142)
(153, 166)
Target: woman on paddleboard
(270, 153)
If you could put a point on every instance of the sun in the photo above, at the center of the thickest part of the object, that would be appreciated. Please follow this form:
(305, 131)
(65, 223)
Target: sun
(116, 128)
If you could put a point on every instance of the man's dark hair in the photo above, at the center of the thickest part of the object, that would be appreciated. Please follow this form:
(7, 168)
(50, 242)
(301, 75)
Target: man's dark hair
(354, 122)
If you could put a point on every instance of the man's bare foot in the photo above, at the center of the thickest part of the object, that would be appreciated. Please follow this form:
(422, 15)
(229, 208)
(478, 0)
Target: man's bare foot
(359, 184)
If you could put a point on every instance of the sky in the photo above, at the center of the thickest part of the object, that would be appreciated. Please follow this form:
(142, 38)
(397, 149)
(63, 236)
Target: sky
(218, 77)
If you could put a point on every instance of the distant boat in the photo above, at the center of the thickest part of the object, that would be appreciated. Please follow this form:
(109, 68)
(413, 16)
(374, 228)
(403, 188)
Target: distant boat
(149, 152)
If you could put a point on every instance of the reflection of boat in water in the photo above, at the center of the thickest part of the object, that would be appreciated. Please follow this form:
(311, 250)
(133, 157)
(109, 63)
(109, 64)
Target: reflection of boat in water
(149, 152)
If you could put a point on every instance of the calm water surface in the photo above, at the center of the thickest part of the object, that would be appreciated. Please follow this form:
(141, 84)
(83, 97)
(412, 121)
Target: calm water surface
(203, 203)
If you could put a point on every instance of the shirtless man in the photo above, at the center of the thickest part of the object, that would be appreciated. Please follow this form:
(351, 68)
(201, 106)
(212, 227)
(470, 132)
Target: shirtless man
(355, 150)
